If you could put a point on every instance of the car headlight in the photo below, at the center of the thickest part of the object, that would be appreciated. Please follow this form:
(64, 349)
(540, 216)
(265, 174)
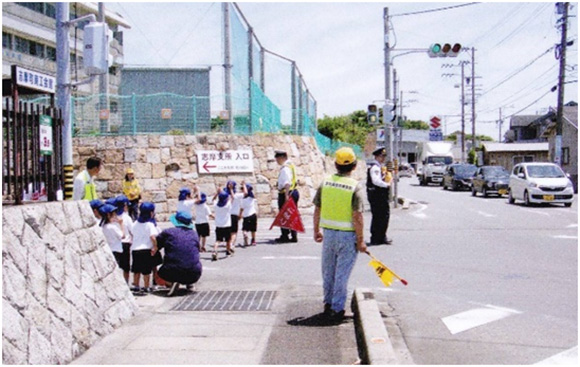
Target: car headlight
(532, 184)
(569, 184)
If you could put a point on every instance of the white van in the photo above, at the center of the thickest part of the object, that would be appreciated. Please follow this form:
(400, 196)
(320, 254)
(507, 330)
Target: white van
(536, 182)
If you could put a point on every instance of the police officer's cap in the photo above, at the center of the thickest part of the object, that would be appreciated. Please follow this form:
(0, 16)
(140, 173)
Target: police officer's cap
(280, 153)
(379, 151)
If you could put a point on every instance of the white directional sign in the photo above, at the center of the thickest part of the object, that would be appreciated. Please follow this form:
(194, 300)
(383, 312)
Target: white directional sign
(227, 161)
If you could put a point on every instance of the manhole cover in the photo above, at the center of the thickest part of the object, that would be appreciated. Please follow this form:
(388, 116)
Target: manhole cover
(227, 301)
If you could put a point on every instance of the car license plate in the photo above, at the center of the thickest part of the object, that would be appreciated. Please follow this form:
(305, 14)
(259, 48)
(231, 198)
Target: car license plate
(502, 191)
(549, 197)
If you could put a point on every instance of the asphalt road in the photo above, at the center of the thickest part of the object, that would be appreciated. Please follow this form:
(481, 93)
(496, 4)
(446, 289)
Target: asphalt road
(489, 282)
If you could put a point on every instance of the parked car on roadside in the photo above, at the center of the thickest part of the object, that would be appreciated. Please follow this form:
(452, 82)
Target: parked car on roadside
(406, 170)
(458, 176)
(490, 180)
(536, 182)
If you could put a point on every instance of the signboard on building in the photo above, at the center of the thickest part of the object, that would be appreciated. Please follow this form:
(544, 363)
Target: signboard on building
(35, 80)
(227, 161)
(45, 124)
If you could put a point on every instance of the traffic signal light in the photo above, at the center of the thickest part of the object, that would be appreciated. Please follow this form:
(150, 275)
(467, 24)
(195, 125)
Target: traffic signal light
(436, 50)
(372, 114)
(388, 112)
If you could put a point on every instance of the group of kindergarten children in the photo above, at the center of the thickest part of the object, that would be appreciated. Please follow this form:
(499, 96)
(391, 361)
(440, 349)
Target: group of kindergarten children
(137, 238)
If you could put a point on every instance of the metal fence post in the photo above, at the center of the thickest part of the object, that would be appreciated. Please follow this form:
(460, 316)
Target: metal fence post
(194, 102)
(134, 113)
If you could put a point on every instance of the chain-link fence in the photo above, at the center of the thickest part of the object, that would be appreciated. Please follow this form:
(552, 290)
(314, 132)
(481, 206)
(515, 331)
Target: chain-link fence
(254, 90)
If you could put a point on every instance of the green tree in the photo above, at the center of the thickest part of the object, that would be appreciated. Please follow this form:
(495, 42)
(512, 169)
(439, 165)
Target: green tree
(415, 125)
(352, 128)
(453, 137)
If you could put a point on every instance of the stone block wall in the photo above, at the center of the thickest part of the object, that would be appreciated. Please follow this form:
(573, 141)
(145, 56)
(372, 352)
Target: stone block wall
(62, 289)
(165, 163)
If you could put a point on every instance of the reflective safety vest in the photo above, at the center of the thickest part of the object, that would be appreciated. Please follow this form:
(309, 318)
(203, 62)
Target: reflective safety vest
(336, 199)
(90, 188)
(293, 171)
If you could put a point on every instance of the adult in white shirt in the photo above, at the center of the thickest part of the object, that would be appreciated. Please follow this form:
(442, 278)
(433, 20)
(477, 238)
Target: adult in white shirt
(378, 196)
(287, 182)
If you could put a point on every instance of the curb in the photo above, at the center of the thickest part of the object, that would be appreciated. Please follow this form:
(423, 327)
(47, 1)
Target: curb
(371, 334)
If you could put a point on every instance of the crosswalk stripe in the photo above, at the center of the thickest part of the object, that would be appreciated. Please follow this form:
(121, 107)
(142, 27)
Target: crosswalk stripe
(476, 317)
(568, 357)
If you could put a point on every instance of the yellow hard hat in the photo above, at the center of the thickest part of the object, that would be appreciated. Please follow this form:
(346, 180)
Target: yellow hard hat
(130, 170)
(345, 156)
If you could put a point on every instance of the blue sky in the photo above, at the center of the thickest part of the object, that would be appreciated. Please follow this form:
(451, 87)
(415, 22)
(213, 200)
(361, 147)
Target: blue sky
(338, 48)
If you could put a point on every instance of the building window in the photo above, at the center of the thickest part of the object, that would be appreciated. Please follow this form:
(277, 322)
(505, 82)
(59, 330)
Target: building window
(565, 155)
(51, 53)
(21, 45)
(47, 9)
(522, 158)
(6, 40)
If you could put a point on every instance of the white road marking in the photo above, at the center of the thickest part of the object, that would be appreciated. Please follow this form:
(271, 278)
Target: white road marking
(473, 318)
(535, 212)
(290, 258)
(564, 237)
(419, 212)
(486, 214)
(575, 225)
(569, 357)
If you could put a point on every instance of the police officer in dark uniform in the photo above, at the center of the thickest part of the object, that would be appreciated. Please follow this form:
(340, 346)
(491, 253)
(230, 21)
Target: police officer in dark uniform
(378, 196)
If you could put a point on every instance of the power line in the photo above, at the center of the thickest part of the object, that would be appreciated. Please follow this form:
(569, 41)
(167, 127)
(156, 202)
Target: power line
(433, 10)
(193, 29)
(518, 71)
(142, 33)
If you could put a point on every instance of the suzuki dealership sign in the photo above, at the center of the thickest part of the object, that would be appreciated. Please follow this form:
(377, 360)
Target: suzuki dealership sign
(227, 161)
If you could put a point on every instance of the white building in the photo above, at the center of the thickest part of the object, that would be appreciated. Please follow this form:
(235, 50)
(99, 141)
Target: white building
(29, 41)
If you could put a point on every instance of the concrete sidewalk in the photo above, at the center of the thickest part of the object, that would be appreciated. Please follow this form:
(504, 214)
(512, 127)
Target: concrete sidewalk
(158, 335)
(161, 335)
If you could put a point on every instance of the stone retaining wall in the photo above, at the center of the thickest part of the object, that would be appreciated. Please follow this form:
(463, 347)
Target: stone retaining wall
(165, 163)
(62, 289)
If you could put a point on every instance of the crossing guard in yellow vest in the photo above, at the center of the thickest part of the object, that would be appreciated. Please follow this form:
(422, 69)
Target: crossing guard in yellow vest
(338, 211)
(84, 186)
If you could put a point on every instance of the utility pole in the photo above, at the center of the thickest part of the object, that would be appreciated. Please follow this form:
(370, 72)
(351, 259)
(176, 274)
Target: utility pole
(561, 80)
(500, 123)
(462, 112)
(63, 92)
(227, 66)
(103, 80)
(473, 139)
(388, 125)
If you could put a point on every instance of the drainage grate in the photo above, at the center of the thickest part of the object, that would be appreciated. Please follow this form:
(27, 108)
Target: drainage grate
(227, 301)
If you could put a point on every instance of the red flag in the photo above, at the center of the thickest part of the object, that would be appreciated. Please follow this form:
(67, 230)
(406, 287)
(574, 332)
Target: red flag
(289, 217)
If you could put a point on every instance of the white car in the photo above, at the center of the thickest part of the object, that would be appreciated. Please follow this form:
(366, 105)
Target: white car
(536, 182)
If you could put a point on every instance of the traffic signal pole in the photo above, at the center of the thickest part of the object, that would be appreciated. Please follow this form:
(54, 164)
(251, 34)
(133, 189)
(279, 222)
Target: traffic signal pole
(387, 123)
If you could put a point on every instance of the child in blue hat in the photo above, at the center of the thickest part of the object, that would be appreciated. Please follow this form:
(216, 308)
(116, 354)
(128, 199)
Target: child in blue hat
(248, 212)
(144, 247)
(223, 221)
(113, 228)
(122, 203)
(202, 215)
(235, 210)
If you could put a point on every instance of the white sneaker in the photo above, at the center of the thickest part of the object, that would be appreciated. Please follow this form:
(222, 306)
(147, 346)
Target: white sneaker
(174, 287)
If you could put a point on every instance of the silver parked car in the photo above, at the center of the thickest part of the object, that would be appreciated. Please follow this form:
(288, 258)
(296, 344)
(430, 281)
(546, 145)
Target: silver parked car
(536, 182)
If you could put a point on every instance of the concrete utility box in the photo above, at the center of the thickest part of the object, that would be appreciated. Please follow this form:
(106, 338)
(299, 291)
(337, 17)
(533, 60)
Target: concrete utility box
(96, 50)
